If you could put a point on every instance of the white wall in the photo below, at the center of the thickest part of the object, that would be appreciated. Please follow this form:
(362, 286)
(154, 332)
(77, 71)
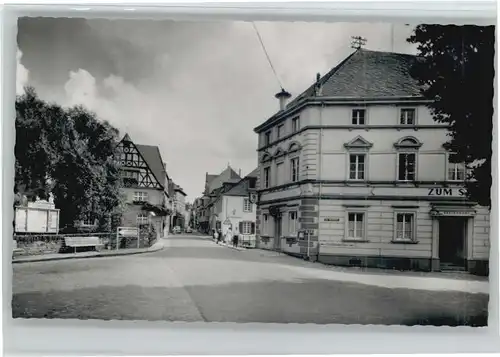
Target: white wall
(232, 208)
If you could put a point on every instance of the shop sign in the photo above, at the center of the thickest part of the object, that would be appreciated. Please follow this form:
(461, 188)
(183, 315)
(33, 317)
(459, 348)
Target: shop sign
(441, 191)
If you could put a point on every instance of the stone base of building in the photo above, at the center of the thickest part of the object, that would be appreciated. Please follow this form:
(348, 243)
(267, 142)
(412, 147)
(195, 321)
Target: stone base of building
(478, 267)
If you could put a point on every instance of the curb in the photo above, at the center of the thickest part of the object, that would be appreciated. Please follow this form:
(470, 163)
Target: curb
(37, 260)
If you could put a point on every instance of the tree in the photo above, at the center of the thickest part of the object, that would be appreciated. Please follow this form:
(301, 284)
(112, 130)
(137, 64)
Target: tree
(456, 71)
(69, 152)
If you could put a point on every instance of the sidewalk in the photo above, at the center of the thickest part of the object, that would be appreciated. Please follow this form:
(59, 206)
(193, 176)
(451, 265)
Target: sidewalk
(393, 279)
(222, 244)
(159, 245)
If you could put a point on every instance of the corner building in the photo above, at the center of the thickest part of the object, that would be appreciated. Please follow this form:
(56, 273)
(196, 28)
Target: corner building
(358, 161)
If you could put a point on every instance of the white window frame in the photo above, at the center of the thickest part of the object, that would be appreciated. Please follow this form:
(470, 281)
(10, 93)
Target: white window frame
(88, 222)
(347, 236)
(142, 218)
(407, 152)
(295, 124)
(405, 109)
(247, 205)
(269, 171)
(293, 227)
(141, 196)
(246, 224)
(355, 119)
(357, 154)
(449, 166)
(414, 226)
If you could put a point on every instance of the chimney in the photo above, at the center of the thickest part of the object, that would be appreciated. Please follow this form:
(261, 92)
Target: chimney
(318, 87)
(239, 172)
(283, 96)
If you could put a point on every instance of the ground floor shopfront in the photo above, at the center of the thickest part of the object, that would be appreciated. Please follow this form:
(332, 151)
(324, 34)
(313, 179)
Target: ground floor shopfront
(433, 234)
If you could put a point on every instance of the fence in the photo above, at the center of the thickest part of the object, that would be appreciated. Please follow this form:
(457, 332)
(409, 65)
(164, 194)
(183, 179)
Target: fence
(39, 244)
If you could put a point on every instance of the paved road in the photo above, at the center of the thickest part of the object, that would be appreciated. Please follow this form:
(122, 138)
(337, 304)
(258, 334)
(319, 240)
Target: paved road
(196, 280)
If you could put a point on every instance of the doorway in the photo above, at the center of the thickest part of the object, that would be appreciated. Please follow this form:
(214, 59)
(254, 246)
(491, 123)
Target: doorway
(452, 243)
(277, 232)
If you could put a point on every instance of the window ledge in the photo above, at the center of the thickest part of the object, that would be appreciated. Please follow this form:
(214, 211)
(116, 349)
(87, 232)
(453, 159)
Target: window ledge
(403, 241)
(354, 240)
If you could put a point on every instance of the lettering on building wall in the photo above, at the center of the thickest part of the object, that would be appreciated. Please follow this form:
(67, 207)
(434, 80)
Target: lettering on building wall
(447, 192)
(332, 219)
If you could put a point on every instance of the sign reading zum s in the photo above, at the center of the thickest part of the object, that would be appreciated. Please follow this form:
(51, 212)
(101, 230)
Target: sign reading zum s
(447, 192)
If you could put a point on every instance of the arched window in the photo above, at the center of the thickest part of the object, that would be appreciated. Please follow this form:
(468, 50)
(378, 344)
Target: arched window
(407, 158)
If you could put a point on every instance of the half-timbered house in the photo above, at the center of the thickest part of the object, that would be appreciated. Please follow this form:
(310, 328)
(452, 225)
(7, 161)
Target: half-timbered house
(145, 185)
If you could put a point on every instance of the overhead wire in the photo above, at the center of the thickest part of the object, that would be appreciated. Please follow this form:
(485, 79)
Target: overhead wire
(267, 55)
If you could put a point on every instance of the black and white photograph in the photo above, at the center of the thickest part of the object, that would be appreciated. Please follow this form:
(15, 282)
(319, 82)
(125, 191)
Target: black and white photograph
(253, 171)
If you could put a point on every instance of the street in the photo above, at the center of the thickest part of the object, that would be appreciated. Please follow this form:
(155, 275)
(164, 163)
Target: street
(194, 279)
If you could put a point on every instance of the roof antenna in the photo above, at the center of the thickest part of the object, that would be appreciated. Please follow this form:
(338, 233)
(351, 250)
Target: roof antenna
(358, 42)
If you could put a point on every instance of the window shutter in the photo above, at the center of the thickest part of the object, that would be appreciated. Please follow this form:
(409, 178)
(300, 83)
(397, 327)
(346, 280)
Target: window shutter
(252, 231)
(240, 228)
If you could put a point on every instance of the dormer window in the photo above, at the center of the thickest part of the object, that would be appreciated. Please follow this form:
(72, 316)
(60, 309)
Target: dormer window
(407, 116)
(358, 116)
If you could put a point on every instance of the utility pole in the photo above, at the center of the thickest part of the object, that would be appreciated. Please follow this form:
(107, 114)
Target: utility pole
(358, 42)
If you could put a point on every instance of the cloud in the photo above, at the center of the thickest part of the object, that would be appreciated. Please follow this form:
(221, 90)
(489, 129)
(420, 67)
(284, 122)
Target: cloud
(195, 89)
(22, 74)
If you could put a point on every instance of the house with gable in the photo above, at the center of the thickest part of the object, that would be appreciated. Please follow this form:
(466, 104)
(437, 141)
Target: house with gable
(145, 185)
(213, 185)
(353, 171)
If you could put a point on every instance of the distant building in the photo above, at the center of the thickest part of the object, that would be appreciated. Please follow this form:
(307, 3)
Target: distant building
(358, 162)
(213, 184)
(145, 185)
(233, 207)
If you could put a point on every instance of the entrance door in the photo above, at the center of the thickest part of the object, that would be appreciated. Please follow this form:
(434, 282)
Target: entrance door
(277, 232)
(452, 247)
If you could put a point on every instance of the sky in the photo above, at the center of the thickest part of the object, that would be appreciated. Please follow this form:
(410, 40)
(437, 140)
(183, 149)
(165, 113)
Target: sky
(194, 89)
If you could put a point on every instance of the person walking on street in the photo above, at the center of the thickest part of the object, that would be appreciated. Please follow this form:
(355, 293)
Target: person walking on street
(235, 238)
(229, 235)
(219, 237)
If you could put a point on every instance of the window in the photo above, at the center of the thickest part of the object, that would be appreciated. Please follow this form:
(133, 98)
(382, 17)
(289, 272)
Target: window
(292, 223)
(405, 226)
(247, 205)
(130, 174)
(246, 227)
(280, 174)
(295, 124)
(267, 138)
(456, 171)
(406, 166)
(280, 131)
(267, 177)
(357, 167)
(355, 225)
(294, 169)
(252, 182)
(142, 218)
(407, 117)
(358, 116)
(140, 196)
(88, 221)
(265, 224)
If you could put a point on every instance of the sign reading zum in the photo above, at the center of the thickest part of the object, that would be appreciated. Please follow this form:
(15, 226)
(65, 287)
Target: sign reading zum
(446, 192)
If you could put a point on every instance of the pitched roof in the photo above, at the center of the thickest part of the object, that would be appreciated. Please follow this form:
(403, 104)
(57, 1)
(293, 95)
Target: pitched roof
(153, 158)
(241, 188)
(362, 75)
